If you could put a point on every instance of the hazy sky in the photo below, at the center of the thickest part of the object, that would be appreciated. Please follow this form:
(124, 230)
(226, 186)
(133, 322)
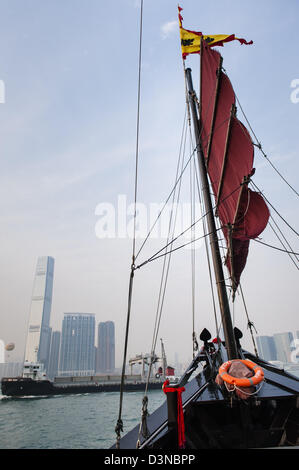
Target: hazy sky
(67, 144)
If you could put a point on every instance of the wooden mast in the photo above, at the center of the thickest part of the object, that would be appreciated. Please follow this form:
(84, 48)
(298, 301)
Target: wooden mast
(217, 263)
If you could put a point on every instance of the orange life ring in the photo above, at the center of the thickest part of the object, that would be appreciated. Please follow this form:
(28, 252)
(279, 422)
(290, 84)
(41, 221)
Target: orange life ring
(242, 382)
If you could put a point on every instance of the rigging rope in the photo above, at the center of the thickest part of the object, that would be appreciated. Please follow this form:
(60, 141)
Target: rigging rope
(165, 204)
(119, 424)
(281, 234)
(274, 208)
(157, 256)
(190, 157)
(201, 202)
(192, 197)
(276, 247)
(167, 258)
(290, 256)
(192, 217)
(259, 146)
(250, 324)
(183, 232)
(162, 290)
(162, 296)
(161, 302)
(137, 127)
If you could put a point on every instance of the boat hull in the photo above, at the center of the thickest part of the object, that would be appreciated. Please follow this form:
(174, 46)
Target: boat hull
(215, 418)
(18, 387)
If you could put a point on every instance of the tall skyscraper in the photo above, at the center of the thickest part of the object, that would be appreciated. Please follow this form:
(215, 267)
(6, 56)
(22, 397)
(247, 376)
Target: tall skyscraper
(106, 347)
(39, 331)
(266, 348)
(52, 370)
(283, 344)
(77, 352)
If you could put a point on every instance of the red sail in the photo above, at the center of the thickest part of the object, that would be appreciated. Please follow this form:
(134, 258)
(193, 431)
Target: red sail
(229, 153)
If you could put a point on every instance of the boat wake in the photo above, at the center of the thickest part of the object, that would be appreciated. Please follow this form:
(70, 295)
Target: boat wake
(4, 397)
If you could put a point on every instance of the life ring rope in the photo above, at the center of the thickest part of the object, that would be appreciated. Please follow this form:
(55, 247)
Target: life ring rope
(244, 381)
(242, 390)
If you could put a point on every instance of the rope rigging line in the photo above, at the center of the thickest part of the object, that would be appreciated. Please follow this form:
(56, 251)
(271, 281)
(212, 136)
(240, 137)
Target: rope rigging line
(209, 269)
(192, 217)
(168, 265)
(154, 257)
(164, 276)
(282, 234)
(259, 146)
(276, 247)
(167, 259)
(250, 324)
(276, 234)
(191, 155)
(119, 424)
(165, 204)
(137, 127)
(183, 171)
(192, 197)
(201, 202)
(282, 177)
(159, 308)
(183, 232)
(162, 290)
(274, 208)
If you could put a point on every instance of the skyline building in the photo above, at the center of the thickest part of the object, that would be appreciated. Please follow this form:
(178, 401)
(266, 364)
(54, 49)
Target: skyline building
(39, 331)
(11, 369)
(106, 347)
(52, 370)
(278, 347)
(77, 351)
(266, 348)
(283, 344)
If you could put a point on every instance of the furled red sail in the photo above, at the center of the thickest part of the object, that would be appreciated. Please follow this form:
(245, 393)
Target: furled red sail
(229, 152)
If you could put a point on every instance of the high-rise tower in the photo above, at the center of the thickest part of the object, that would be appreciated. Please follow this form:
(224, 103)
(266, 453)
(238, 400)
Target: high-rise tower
(52, 369)
(266, 348)
(39, 332)
(283, 344)
(106, 347)
(77, 350)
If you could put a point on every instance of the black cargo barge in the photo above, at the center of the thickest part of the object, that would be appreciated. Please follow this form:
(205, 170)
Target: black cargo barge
(25, 386)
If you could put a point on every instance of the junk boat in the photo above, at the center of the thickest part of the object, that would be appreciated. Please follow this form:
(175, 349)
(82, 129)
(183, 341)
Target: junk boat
(237, 399)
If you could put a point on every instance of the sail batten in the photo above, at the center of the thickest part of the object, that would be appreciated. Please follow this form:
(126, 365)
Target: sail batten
(229, 153)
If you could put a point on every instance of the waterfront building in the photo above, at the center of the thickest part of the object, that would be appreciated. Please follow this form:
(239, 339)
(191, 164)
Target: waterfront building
(39, 331)
(11, 369)
(106, 347)
(284, 343)
(266, 348)
(52, 370)
(77, 351)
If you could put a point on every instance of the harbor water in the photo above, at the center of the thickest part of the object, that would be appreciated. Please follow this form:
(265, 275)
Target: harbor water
(79, 421)
(84, 421)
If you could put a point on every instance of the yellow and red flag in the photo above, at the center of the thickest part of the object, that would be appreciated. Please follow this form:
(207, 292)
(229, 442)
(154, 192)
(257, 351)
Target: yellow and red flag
(190, 40)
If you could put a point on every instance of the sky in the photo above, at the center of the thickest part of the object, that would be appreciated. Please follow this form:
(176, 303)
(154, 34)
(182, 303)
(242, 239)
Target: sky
(68, 107)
